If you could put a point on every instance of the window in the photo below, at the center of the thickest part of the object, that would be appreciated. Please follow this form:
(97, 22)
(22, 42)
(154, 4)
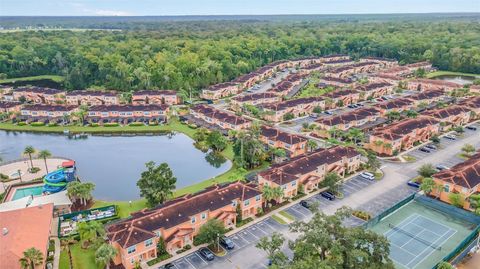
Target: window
(204, 215)
(447, 188)
(258, 197)
(149, 242)
(294, 183)
(193, 219)
(246, 203)
(234, 203)
(131, 250)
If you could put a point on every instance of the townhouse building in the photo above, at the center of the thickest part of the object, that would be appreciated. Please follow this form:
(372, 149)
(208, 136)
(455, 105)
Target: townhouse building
(328, 81)
(473, 103)
(293, 144)
(463, 179)
(296, 107)
(236, 103)
(401, 71)
(474, 89)
(402, 135)
(125, 114)
(313, 68)
(335, 57)
(353, 119)
(383, 62)
(10, 107)
(427, 66)
(426, 97)
(433, 84)
(309, 170)
(39, 95)
(375, 89)
(341, 97)
(337, 63)
(385, 77)
(178, 221)
(221, 90)
(395, 105)
(44, 112)
(224, 120)
(91, 98)
(450, 116)
(157, 97)
(348, 70)
(284, 87)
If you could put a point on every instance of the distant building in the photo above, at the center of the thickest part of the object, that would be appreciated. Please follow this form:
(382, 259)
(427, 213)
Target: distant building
(293, 144)
(157, 97)
(39, 95)
(90, 98)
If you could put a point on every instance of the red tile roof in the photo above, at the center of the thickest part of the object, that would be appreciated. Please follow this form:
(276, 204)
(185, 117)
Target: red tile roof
(25, 228)
(466, 174)
(401, 128)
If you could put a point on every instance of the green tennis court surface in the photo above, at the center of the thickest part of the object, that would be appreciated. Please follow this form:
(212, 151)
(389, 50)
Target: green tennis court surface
(421, 236)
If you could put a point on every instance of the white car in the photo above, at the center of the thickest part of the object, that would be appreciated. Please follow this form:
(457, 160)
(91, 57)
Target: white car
(367, 175)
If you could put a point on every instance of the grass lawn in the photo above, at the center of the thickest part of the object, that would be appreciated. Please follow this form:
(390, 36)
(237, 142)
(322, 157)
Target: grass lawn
(173, 125)
(51, 77)
(279, 220)
(64, 262)
(82, 258)
(446, 73)
(409, 158)
(286, 215)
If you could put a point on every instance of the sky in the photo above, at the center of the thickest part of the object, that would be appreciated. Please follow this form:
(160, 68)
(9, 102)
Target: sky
(228, 7)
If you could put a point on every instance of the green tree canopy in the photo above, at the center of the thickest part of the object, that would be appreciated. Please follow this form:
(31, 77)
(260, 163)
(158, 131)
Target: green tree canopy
(157, 183)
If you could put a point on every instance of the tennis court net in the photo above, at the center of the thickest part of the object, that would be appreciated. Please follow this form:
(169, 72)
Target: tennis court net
(427, 243)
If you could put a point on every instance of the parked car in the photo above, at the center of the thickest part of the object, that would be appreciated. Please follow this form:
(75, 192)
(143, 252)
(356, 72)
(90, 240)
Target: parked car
(367, 175)
(425, 149)
(169, 266)
(431, 146)
(472, 128)
(413, 184)
(328, 112)
(328, 195)
(305, 204)
(227, 243)
(207, 254)
(441, 167)
(351, 106)
(451, 137)
(359, 104)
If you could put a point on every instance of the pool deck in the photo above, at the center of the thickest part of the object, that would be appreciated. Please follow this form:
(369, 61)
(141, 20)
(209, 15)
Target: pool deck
(23, 165)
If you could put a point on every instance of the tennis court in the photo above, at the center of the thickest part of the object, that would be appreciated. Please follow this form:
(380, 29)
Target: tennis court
(416, 238)
(423, 232)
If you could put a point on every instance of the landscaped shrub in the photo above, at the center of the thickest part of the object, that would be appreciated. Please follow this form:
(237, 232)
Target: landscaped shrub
(3, 176)
(52, 125)
(113, 124)
(34, 170)
(36, 124)
(362, 215)
(243, 222)
(94, 125)
(22, 123)
(133, 124)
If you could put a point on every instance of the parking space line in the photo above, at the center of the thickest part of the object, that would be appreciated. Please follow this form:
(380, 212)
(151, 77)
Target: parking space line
(201, 258)
(266, 223)
(298, 211)
(190, 263)
(246, 230)
(261, 230)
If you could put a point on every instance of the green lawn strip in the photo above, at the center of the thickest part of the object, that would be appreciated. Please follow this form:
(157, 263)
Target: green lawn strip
(64, 260)
(173, 125)
(286, 215)
(32, 78)
(279, 220)
(83, 258)
(449, 73)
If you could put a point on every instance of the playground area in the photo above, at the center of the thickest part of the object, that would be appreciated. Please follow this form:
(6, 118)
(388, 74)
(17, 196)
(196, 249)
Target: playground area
(423, 232)
(17, 171)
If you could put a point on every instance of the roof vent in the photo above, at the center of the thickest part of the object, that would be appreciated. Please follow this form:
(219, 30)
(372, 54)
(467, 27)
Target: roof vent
(4, 231)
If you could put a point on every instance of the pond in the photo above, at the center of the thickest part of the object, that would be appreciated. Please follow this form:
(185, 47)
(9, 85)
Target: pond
(464, 80)
(115, 163)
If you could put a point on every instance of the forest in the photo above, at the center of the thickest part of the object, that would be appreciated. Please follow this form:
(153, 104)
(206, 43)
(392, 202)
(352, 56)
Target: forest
(189, 55)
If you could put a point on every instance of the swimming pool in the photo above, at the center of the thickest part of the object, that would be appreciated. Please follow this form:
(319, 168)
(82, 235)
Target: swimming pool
(22, 192)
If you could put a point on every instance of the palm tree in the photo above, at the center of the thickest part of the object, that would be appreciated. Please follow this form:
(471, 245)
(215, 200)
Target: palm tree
(31, 258)
(29, 150)
(411, 114)
(355, 134)
(312, 145)
(333, 132)
(44, 154)
(90, 231)
(104, 254)
(267, 193)
(83, 191)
